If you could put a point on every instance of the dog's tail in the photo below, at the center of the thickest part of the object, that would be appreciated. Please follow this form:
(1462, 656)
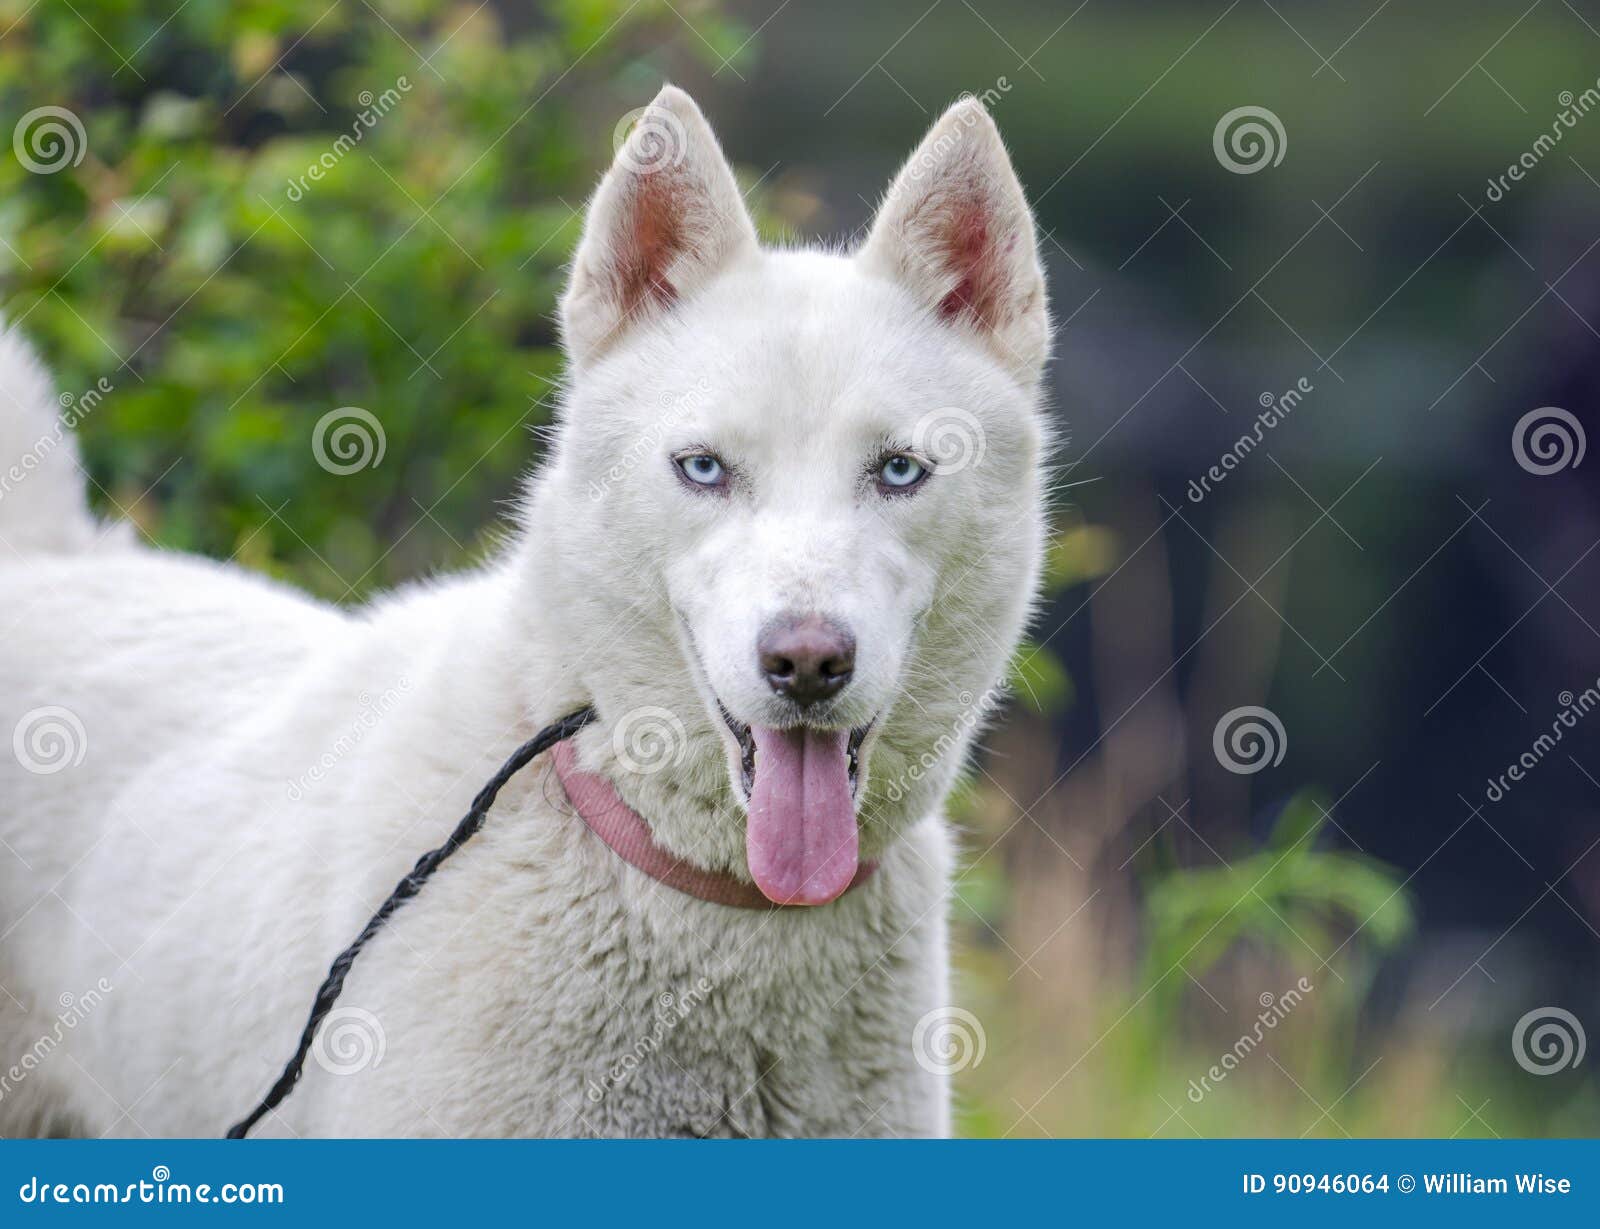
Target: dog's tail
(43, 505)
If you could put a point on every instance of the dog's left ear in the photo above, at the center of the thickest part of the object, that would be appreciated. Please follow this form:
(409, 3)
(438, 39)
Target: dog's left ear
(956, 229)
(666, 218)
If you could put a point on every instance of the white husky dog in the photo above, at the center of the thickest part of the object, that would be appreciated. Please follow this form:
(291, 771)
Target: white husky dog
(784, 544)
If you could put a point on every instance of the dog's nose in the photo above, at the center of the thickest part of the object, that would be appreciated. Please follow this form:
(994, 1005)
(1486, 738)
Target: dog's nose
(807, 658)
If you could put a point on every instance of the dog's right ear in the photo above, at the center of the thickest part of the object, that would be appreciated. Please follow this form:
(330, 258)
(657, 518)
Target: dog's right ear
(956, 229)
(666, 218)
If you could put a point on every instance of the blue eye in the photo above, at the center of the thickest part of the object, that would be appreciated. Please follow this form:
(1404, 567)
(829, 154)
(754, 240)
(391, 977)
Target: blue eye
(902, 471)
(703, 469)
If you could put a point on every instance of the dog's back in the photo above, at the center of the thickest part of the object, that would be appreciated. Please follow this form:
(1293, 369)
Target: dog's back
(116, 662)
(45, 527)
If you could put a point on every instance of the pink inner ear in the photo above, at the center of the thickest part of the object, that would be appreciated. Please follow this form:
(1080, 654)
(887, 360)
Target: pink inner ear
(971, 253)
(967, 253)
(652, 239)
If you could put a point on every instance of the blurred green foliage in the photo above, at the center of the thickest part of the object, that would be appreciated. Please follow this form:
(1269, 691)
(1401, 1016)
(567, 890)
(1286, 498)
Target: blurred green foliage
(185, 254)
(1288, 895)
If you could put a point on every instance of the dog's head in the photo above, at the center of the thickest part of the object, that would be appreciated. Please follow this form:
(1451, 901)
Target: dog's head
(794, 509)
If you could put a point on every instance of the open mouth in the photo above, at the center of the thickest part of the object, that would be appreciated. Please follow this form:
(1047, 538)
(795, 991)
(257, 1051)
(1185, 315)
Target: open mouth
(801, 839)
(748, 751)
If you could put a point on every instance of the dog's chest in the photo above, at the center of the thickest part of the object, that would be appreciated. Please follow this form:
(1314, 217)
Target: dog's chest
(748, 1032)
(640, 1035)
(723, 1053)
(596, 1009)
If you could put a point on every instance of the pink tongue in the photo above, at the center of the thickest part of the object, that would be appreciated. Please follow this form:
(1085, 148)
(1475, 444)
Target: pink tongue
(801, 841)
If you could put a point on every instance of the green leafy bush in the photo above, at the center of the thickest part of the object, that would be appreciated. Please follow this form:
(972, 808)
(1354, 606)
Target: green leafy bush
(244, 216)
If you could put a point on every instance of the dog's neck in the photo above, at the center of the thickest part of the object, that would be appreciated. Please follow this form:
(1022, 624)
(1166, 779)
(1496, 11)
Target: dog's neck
(626, 833)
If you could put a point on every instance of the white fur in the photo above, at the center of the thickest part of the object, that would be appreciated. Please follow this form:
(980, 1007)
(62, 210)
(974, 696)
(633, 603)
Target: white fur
(259, 769)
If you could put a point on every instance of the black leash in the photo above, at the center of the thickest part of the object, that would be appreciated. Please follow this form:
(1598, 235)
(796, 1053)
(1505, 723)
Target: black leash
(404, 891)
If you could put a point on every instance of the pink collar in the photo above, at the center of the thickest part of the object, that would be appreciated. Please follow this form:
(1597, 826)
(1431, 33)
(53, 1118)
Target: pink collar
(620, 826)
